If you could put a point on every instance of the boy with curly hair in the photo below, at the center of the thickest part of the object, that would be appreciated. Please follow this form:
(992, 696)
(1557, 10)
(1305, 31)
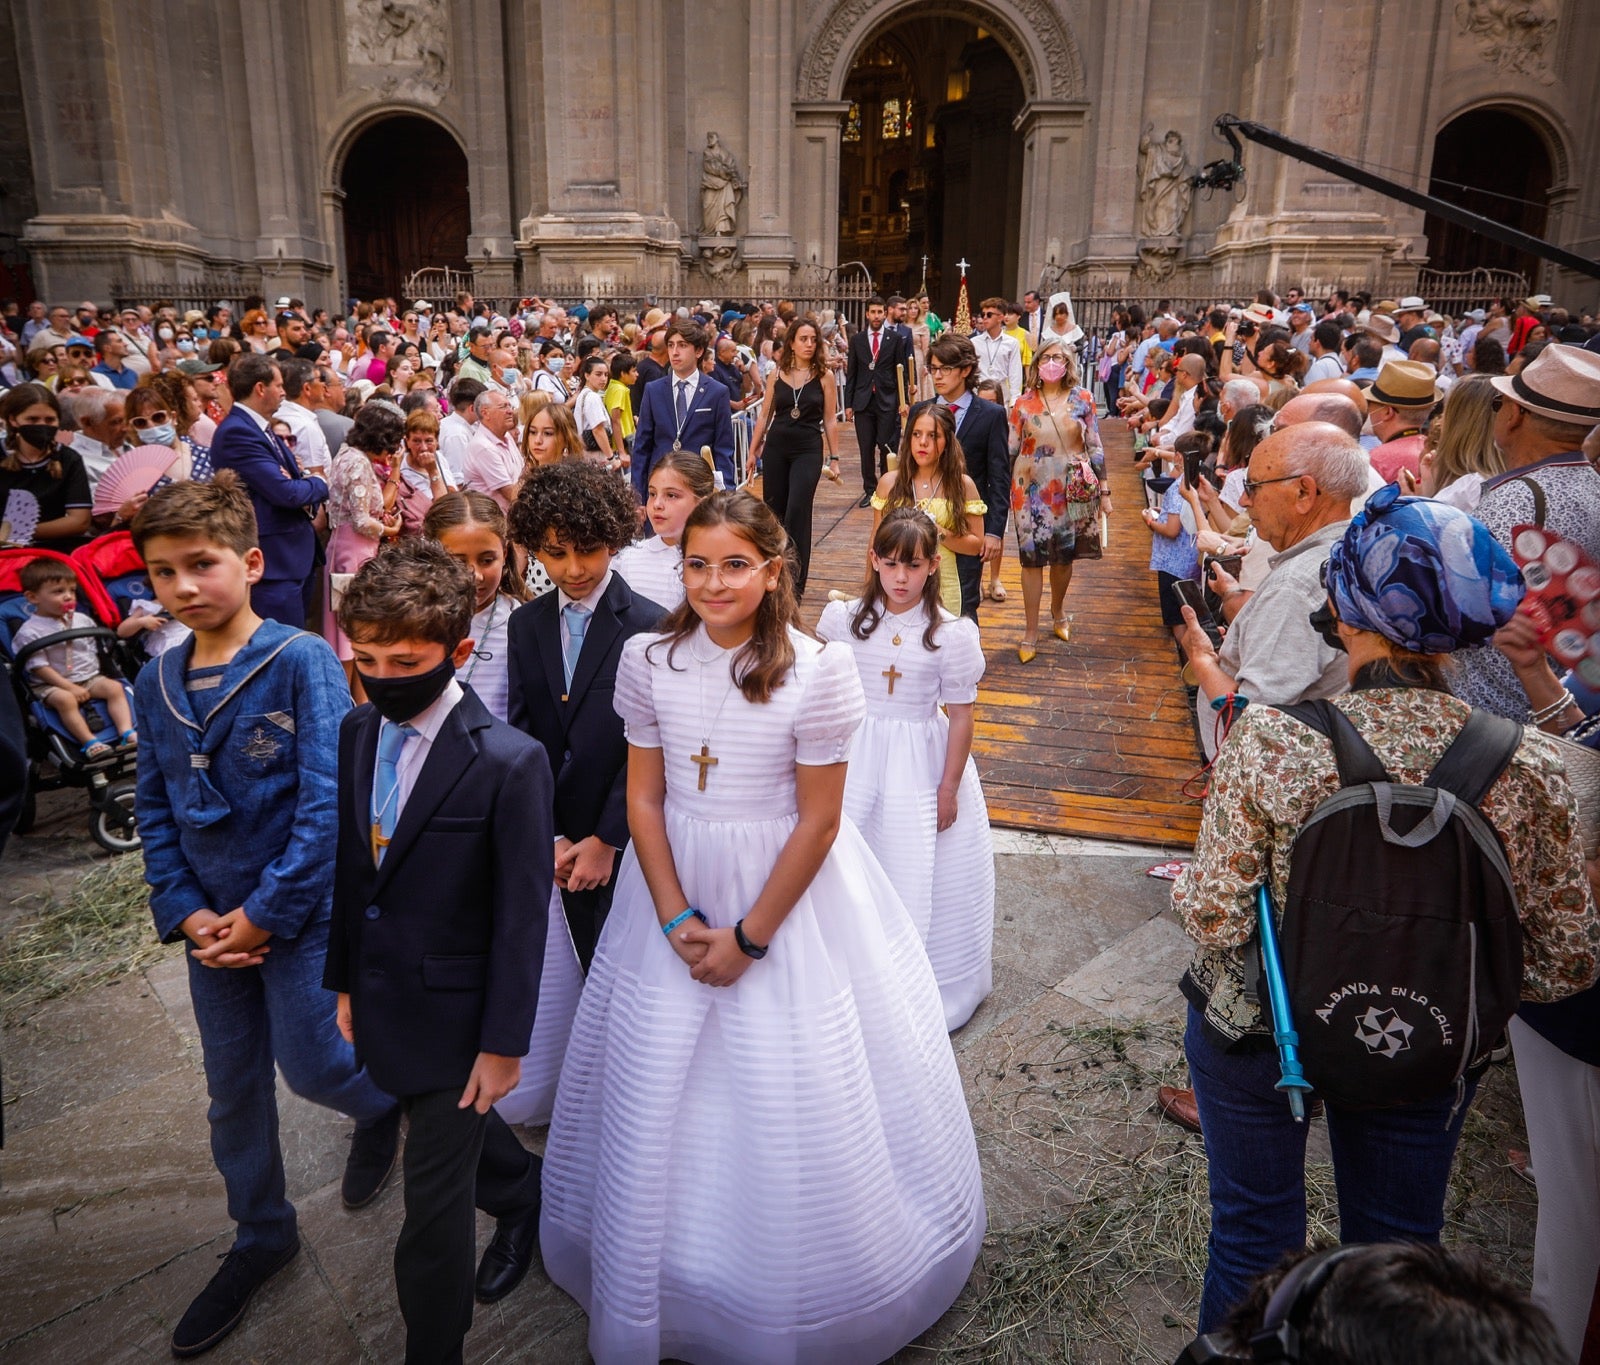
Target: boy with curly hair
(564, 646)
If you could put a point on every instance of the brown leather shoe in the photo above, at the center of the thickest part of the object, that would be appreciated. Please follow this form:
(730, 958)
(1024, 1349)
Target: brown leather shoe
(1179, 1106)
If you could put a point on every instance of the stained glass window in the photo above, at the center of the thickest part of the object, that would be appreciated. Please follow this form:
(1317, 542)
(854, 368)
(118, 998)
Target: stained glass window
(852, 124)
(905, 117)
(891, 119)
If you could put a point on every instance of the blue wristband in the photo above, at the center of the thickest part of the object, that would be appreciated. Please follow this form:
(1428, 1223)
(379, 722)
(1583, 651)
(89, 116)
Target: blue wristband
(690, 913)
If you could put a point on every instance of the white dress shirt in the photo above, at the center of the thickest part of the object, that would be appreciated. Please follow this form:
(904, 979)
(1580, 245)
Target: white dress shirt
(1000, 359)
(311, 451)
(97, 457)
(427, 723)
(455, 434)
(588, 603)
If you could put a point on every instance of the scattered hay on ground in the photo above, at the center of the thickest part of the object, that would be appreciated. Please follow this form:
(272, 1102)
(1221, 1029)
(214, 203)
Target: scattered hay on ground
(1116, 1277)
(100, 932)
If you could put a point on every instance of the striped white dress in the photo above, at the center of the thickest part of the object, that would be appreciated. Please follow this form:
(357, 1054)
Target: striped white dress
(891, 793)
(653, 569)
(781, 1171)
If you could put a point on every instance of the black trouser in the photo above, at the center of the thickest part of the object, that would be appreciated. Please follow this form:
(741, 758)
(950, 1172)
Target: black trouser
(789, 487)
(969, 573)
(455, 1160)
(586, 915)
(875, 428)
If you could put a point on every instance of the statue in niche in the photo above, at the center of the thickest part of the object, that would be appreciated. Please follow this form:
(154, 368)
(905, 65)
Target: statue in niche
(1164, 189)
(721, 188)
(405, 34)
(1514, 34)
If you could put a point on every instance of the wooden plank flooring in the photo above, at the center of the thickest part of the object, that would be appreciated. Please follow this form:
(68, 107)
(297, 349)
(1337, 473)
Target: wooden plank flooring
(1092, 738)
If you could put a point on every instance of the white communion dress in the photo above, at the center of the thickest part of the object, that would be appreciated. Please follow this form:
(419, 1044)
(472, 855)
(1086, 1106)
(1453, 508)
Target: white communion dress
(533, 1098)
(891, 792)
(782, 1171)
(653, 569)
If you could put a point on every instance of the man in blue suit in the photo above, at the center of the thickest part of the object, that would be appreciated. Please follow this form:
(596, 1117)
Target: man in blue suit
(686, 409)
(284, 499)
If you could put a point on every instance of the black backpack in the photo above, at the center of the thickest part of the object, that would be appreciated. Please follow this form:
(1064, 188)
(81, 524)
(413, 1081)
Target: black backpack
(1402, 949)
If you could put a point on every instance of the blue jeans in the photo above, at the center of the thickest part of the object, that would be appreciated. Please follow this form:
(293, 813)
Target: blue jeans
(1390, 1167)
(251, 1018)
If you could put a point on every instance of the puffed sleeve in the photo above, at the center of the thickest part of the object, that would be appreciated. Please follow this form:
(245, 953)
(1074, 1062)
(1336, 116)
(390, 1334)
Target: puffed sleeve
(879, 502)
(831, 708)
(634, 699)
(835, 622)
(961, 661)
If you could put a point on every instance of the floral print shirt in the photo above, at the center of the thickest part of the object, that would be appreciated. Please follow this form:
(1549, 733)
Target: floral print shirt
(1273, 771)
(355, 494)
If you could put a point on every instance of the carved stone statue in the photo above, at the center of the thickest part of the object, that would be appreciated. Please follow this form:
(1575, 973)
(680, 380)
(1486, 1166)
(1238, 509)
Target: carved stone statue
(404, 38)
(1516, 35)
(1164, 189)
(721, 188)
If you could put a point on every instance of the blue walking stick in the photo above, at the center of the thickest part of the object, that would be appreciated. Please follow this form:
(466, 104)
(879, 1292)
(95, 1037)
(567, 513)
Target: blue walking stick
(1291, 1077)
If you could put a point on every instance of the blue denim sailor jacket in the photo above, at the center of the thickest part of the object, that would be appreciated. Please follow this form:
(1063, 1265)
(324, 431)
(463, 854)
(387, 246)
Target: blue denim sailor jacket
(238, 795)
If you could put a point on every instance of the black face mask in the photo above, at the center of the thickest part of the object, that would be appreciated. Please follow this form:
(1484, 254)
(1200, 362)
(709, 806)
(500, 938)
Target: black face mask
(1326, 624)
(399, 699)
(40, 437)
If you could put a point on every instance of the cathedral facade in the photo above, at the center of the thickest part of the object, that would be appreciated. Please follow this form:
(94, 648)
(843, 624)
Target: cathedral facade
(330, 148)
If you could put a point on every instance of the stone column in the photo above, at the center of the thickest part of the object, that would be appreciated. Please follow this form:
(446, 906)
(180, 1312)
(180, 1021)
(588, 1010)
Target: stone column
(768, 244)
(815, 181)
(1114, 243)
(478, 81)
(1054, 210)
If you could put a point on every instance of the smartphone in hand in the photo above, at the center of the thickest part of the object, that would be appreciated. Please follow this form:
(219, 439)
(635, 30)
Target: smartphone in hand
(1190, 594)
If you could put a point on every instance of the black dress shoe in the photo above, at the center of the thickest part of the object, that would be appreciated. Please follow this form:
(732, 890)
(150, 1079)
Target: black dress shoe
(866, 500)
(507, 1257)
(220, 1305)
(373, 1153)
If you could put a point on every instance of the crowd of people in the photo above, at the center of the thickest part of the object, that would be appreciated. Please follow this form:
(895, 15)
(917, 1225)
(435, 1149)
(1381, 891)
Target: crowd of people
(526, 542)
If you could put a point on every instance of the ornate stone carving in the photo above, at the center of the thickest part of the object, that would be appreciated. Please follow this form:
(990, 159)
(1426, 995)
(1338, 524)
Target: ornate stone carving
(1062, 77)
(720, 256)
(406, 40)
(1164, 189)
(721, 188)
(1157, 261)
(1516, 35)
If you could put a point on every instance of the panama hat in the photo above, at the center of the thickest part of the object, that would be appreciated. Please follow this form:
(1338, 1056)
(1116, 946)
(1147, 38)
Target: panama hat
(1260, 312)
(1411, 304)
(1405, 384)
(1561, 383)
(1382, 326)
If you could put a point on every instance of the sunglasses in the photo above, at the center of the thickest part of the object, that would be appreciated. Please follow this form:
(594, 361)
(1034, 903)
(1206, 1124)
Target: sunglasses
(155, 419)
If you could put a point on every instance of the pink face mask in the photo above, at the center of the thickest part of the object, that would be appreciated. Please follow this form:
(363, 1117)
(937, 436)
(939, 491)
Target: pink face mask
(1052, 371)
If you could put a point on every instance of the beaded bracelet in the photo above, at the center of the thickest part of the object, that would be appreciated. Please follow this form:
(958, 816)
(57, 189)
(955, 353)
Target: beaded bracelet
(690, 913)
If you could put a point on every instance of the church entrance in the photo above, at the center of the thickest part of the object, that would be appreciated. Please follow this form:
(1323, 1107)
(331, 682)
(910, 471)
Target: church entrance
(1492, 162)
(930, 167)
(406, 205)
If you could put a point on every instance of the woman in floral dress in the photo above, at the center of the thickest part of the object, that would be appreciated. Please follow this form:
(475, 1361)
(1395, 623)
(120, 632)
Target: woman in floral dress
(1058, 485)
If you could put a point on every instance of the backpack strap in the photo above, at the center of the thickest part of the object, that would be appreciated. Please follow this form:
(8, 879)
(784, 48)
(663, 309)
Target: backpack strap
(1353, 755)
(1538, 499)
(1477, 756)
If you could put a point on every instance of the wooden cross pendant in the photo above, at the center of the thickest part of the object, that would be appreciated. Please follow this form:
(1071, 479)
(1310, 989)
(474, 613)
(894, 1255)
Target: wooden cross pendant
(704, 759)
(891, 673)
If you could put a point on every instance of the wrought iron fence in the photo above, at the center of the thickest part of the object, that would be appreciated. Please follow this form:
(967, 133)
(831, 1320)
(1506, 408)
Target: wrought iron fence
(200, 292)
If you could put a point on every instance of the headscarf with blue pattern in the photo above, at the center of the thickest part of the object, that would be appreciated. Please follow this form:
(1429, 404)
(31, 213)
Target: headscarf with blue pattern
(1423, 574)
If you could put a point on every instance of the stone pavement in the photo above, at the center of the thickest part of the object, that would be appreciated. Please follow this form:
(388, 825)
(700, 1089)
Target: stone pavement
(112, 1217)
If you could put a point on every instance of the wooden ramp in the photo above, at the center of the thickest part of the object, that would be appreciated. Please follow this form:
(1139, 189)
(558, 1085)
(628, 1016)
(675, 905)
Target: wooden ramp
(1092, 738)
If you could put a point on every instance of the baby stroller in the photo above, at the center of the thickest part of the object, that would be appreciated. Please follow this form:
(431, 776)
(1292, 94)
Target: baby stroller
(55, 761)
(111, 562)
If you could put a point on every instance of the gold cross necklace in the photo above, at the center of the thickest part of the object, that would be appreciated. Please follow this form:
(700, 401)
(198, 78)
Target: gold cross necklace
(705, 760)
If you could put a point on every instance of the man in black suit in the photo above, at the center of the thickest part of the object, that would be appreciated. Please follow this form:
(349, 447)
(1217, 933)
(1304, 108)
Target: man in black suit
(871, 393)
(563, 650)
(285, 499)
(441, 895)
(985, 438)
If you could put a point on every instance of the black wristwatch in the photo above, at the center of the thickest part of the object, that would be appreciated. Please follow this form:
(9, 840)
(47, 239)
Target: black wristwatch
(746, 947)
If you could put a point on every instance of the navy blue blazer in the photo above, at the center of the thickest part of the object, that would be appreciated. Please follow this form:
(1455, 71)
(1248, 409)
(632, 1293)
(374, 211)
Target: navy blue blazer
(709, 423)
(578, 727)
(441, 947)
(985, 437)
(283, 497)
(869, 383)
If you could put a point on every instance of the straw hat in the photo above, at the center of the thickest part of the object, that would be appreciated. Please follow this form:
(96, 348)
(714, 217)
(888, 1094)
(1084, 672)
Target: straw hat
(1411, 304)
(1405, 384)
(1562, 383)
(1259, 312)
(1382, 326)
(653, 319)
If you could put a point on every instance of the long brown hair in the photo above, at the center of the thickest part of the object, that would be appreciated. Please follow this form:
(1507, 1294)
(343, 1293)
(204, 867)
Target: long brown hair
(952, 468)
(694, 469)
(764, 660)
(786, 359)
(468, 507)
(18, 400)
(566, 426)
(905, 534)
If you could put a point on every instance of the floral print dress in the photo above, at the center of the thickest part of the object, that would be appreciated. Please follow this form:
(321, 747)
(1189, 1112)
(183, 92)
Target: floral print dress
(1055, 493)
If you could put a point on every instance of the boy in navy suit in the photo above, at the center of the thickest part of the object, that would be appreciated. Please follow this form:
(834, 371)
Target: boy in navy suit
(441, 891)
(686, 409)
(563, 649)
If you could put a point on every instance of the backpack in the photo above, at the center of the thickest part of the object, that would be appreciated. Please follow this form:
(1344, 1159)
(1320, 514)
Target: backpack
(1401, 944)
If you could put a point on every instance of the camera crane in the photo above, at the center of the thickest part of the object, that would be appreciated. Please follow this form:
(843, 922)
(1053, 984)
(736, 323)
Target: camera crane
(1225, 175)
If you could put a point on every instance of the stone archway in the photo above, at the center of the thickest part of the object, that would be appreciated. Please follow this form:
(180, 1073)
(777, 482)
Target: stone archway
(1050, 127)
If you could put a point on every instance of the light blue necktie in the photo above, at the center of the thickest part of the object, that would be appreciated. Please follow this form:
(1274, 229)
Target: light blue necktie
(386, 788)
(683, 402)
(577, 619)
